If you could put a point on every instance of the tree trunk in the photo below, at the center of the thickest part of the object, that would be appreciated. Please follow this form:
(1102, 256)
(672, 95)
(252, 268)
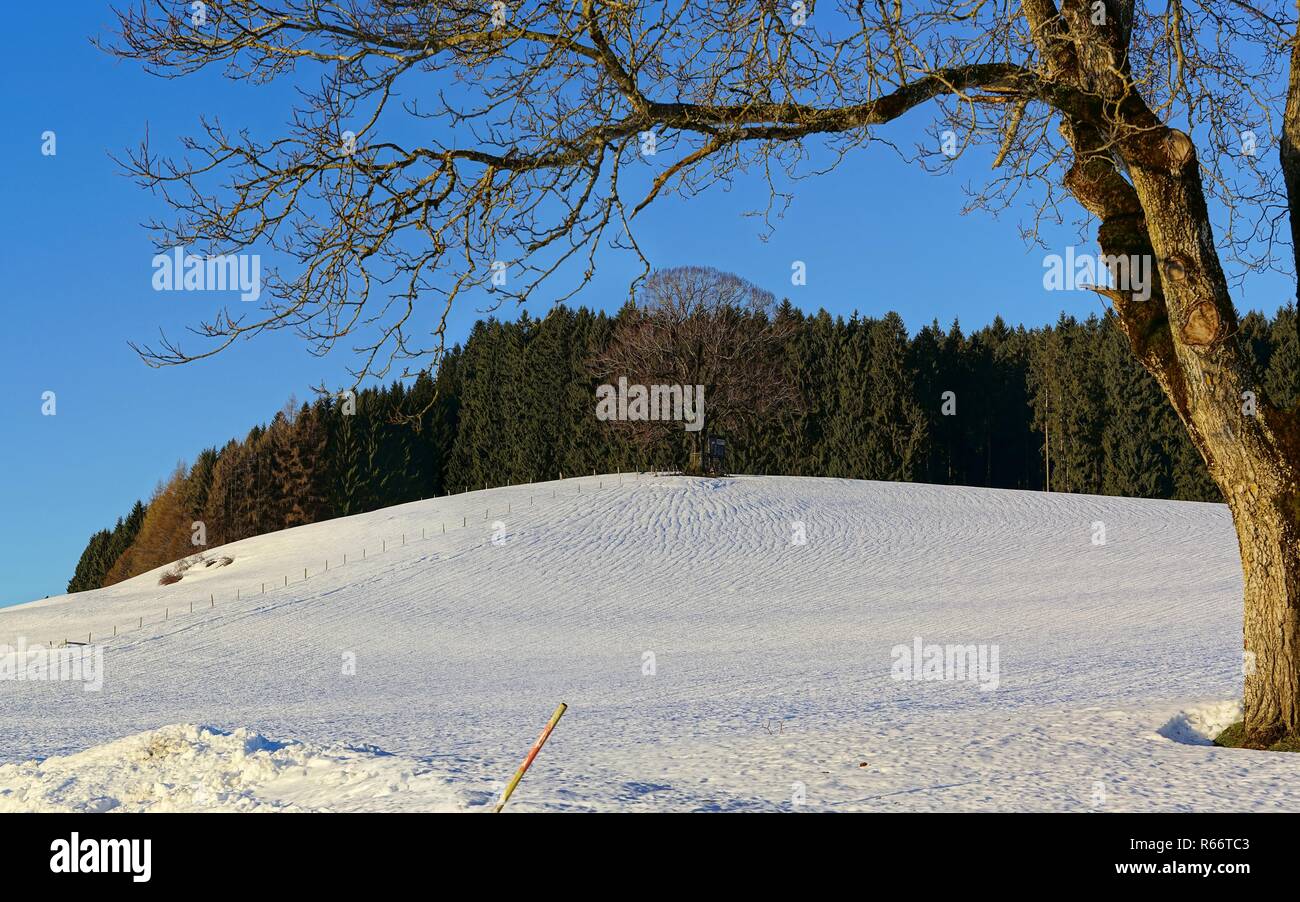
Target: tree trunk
(1249, 446)
(1270, 558)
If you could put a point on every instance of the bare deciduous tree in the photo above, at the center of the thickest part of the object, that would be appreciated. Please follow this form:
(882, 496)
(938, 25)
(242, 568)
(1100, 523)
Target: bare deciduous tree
(697, 326)
(446, 137)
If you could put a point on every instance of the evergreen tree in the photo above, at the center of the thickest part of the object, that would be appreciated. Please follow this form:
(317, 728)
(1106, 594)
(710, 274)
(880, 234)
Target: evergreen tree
(1282, 373)
(349, 480)
(895, 445)
(1135, 465)
(93, 563)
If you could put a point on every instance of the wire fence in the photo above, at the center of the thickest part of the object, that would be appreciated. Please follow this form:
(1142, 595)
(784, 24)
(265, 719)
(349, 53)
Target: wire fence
(426, 532)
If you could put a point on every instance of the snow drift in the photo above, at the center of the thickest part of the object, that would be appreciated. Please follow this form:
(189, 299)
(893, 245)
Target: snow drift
(185, 767)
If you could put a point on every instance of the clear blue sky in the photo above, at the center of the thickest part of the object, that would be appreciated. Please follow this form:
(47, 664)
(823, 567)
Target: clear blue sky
(876, 235)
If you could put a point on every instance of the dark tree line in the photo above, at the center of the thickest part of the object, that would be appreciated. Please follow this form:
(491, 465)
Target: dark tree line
(999, 407)
(103, 550)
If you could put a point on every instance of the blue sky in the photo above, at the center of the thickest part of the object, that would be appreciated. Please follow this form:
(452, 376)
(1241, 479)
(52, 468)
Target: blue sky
(876, 235)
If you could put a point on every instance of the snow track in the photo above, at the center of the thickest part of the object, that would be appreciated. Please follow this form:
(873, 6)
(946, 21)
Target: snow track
(770, 676)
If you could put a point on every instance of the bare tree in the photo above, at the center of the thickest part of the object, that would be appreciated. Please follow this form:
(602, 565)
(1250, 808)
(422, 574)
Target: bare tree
(697, 326)
(534, 117)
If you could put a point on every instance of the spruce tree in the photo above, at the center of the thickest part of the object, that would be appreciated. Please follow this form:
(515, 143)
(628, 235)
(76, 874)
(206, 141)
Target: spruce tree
(1282, 374)
(1135, 462)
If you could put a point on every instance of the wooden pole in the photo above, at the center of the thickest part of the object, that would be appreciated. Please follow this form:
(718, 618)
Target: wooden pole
(532, 753)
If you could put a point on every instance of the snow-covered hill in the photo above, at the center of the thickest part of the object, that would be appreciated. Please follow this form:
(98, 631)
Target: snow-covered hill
(710, 660)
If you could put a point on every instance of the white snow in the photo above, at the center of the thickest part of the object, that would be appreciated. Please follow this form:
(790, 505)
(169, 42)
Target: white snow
(184, 767)
(709, 661)
(1200, 724)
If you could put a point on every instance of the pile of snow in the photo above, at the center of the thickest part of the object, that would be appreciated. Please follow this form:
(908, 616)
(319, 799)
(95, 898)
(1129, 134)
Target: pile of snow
(184, 767)
(1201, 724)
(722, 644)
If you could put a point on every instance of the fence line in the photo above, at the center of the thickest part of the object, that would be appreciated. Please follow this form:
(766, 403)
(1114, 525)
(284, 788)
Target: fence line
(212, 601)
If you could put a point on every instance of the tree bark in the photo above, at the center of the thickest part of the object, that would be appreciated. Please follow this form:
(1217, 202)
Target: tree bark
(1249, 446)
(1185, 333)
(1270, 559)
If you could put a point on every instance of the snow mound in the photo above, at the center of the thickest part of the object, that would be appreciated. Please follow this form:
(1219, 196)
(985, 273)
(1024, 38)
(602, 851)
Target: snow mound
(1200, 725)
(189, 767)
